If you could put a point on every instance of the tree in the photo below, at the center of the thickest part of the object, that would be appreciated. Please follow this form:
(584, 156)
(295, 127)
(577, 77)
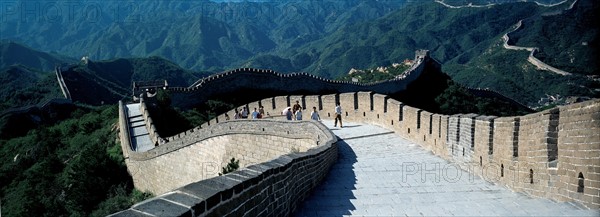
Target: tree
(233, 165)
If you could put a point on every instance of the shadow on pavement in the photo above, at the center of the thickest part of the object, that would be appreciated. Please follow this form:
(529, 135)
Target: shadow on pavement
(333, 196)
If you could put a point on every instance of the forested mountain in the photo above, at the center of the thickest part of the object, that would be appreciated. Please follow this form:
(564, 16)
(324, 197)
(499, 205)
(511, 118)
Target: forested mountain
(568, 41)
(22, 86)
(64, 160)
(12, 53)
(328, 38)
(111, 80)
(468, 41)
(27, 75)
(200, 35)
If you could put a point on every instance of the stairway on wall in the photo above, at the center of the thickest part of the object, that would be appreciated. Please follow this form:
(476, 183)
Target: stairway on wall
(140, 138)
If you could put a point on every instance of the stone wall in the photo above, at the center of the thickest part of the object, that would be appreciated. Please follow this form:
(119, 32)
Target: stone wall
(201, 152)
(540, 154)
(579, 153)
(153, 133)
(271, 81)
(61, 83)
(124, 135)
(552, 154)
(274, 187)
(532, 50)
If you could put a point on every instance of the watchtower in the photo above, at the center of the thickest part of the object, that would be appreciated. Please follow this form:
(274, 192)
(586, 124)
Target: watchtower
(149, 88)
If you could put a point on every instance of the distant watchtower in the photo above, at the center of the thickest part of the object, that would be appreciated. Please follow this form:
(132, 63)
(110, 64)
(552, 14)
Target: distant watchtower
(421, 54)
(149, 88)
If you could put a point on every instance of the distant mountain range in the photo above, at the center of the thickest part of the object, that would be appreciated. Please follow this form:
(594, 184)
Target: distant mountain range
(200, 35)
(13, 54)
(328, 38)
(102, 82)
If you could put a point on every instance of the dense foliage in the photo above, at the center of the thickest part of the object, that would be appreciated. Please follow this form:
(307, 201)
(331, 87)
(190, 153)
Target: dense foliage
(22, 86)
(201, 35)
(509, 73)
(457, 99)
(232, 165)
(12, 53)
(568, 41)
(72, 168)
(328, 38)
(374, 75)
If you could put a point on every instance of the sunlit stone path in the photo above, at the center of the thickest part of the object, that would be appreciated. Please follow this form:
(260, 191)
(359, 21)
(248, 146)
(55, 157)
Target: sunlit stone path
(381, 174)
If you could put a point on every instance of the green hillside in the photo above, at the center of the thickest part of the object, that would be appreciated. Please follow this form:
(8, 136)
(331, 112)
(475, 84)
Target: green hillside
(569, 41)
(199, 35)
(70, 168)
(448, 33)
(22, 86)
(98, 82)
(12, 53)
(467, 42)
(509, 73)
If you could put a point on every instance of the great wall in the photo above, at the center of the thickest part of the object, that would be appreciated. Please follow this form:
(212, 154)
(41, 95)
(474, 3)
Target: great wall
(272, 81)
(551, 154)
(531, 59)
(533, 50)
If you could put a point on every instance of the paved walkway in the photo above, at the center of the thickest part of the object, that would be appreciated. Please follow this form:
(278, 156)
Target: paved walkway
(140, 138)
(378, 174)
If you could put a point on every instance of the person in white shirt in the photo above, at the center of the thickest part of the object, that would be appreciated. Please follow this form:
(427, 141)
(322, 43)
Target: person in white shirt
(299, 114)
(314, 114)
(244, 113)
(338, 115)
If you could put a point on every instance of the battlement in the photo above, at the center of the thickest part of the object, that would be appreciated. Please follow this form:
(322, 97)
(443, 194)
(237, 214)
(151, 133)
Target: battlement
(281, 162)
(229, 81)
(551, 154)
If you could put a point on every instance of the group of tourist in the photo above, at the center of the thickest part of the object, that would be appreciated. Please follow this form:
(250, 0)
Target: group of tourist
(290, 113)
(244, 114)
(295, 113)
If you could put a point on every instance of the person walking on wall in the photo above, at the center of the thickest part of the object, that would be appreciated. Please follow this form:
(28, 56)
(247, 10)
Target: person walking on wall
(299, 114)
(236, 114)
(288, 114)
(314, 114)
(244, 113)
(261, 112)
(255, 114)
(296, 107)
(338, 115)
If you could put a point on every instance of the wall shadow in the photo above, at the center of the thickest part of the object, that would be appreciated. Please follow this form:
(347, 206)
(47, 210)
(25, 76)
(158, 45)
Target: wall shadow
(333, 196)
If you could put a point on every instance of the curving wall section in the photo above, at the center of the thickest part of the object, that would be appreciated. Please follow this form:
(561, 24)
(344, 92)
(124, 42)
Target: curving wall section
(533, 50)
(287, 160)
(231, 81)
(61, 83)
(553, 154)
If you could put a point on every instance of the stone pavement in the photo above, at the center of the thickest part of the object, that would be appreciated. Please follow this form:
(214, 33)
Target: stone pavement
(378, 173)
(140, 138)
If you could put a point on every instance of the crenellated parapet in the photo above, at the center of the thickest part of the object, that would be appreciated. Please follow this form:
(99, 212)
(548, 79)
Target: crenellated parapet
(543, 154)
(280, 161)
(153, 133)
(551, 154)
(270, 80)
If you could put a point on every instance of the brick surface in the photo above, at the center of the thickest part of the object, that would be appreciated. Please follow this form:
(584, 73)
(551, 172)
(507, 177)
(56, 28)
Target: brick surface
(379, 173)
